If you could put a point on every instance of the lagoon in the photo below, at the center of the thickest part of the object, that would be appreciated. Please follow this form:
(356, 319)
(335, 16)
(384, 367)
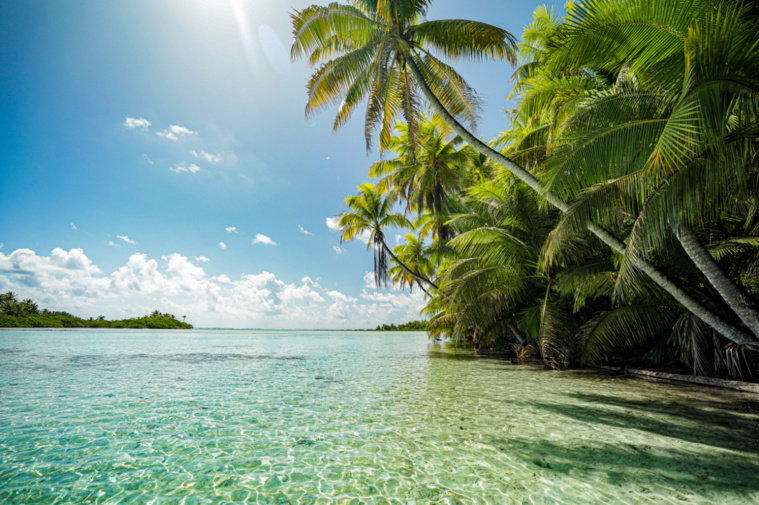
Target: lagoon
(235, 416)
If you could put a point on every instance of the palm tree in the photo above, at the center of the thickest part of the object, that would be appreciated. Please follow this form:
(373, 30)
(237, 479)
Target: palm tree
(412, 253)
(29, 306)
(384, 49)
(668, 146)
(427, 175)
(371, 212)
(379, 50)
(7, 301)
(11, 305)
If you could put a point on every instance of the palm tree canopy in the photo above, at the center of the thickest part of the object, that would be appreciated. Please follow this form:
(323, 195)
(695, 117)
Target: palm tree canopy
(371, 211)
(429, 175)
(413, 254)
(364, 47)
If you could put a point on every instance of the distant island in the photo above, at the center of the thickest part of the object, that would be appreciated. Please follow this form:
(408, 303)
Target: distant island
(410, 326)
(15, 313)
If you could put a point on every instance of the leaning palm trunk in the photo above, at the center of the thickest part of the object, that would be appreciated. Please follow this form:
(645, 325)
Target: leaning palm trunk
(729, 331)
(717, 278)
(408, 270)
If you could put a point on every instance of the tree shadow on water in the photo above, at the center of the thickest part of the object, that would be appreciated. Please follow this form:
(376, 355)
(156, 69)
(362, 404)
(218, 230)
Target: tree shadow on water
(465, 352)
(639, 469)
(692, 420)
(684, 445)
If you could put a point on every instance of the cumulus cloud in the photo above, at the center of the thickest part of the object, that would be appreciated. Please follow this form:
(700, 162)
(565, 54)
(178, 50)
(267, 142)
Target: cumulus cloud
(26, 262)
(70, 281)
(396, 299)
(73, 226)
(185, 168)
(231, 229)
(337, 249)
(333, 223)
(126, 239)
(132, 122)
(175, 132)
(202, 259)
(113, 244)
(222, 245)
(304, 231)
(263, 239)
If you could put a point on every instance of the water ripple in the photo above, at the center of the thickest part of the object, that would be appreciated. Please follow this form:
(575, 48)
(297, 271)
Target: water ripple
(312, 417)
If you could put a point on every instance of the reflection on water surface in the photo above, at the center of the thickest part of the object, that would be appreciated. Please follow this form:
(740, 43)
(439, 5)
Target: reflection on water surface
(364, 417)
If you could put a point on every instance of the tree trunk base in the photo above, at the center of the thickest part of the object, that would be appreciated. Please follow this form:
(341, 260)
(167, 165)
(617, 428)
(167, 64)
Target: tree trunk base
(748, 387)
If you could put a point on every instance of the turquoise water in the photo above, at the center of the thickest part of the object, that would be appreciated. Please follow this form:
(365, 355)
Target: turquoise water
(195, 417)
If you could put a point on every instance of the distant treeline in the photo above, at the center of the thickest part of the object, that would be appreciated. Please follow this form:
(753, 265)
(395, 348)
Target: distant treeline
(410, 326)
(15, 313)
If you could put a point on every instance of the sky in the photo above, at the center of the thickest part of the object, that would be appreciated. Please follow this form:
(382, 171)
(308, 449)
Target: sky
(155, 155)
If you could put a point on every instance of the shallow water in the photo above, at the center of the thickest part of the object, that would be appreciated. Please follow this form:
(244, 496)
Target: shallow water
(195, 417)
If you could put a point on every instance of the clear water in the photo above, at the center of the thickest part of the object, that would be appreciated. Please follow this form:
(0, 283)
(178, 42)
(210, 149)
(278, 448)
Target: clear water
(177, 417)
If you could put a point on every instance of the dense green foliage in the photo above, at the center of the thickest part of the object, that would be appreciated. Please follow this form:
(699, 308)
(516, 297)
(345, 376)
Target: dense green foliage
(420, 325)
(616, 219)
(16, 313)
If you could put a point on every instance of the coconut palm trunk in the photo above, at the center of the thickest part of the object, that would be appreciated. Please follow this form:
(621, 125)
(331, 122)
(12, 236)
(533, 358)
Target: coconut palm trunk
(724, 285)
(727, 330)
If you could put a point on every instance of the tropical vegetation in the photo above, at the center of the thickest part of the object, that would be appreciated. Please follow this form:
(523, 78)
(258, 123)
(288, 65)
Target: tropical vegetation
(15, 313)
(616, 217)
(419, 325)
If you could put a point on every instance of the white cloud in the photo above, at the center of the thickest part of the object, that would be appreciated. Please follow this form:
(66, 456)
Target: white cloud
(395, 299)
(181, 130)
(340, 297)
(369, 284)
(222, 245)
(231, 229)
(202, 259)
(68, 280)
(167, 135)
(369, 280)
(213, 159)
(126, 239)
(131, 122)
(174, 132)
(147, 158)
(333, 223)
(26, 262)
(304, 231)
(1, 245)
(74, 259)
(263, 239)
(73, 226)
(185, 168)
(113, 244)
(337, 249)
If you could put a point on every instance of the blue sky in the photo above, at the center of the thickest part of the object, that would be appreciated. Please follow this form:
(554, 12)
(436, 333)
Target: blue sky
(103, 213)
